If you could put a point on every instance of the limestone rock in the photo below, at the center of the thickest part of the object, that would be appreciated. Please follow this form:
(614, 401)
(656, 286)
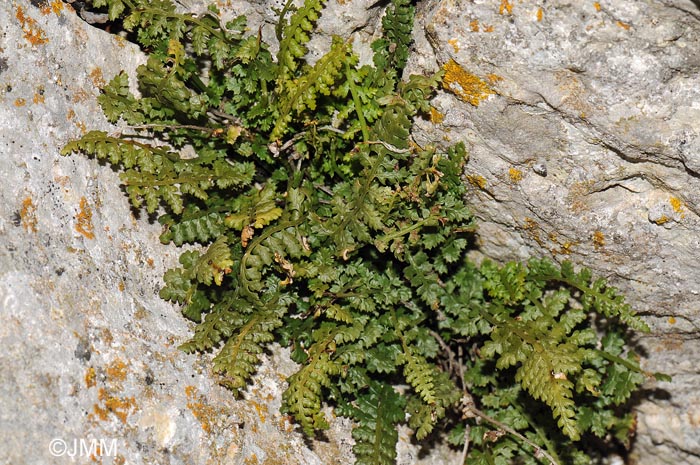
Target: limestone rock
(582, 121)
(89, 352)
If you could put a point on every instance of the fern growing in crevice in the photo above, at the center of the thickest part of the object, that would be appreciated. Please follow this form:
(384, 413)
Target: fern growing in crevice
(325, 228)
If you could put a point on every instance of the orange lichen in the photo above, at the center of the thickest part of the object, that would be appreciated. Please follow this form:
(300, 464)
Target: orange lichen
(596, 5)
(28, 215)
(84, 220)
(96, 77)
(477, 181)
(116, 371)
(121, 407)
(540, 14)
(474, 25)
(532, 229)
(662, 220)
(506, 7)
(201, 411)
(435, 116)
(261, 410)
(455, 44)
(494, 78)
(252, 459)
(624, 26)
(20, 102)
(677, 205)
(90, 378)
(466, 86)
(39, 96)
(55, 6)
(598, 240)
(515, 175)
(672, 320)
(33, 33)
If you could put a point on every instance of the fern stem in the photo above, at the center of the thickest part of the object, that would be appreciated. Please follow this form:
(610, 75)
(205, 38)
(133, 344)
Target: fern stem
(626, 363)
(538, 450)
(540, 433)
(430, 221)
(358, 104)
(279, 27)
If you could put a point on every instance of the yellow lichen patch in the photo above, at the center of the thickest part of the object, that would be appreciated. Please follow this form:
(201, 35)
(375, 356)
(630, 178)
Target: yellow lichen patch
(505, 8)
(96, 77)
(488, 28)
(672, 320)
(539, 14)
(466, 86)
(598, 240)
(116, 371)
(261, 410)
(596, 5)
(204, 413)
(435, 116)
(252, 459)
(515, 175)
(39, 96)
(494, 78)
(474, 25)
(663, 219)
(477, 181)
(20, 102)
(83, 220)
(55, 6)
(624, 26)
(90, 378)
(532, 229)
(564, 248)
(121, 407)
(455, 44)
(677, 205)
(28, 215)
(32, 32)
(71, 116)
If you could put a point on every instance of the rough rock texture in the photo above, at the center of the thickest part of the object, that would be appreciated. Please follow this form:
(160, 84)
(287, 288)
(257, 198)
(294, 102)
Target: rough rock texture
(583, 124)
(89, 351)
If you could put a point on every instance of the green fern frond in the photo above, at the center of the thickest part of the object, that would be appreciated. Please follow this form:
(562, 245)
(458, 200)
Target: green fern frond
(302, 399)
(378, 412)
(294, 34)
(238, 358)
(326, 228)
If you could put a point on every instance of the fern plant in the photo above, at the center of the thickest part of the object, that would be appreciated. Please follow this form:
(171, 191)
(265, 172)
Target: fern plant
(323, 227)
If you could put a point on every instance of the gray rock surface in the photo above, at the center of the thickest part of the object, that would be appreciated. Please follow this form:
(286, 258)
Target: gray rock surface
(582, 120)
(89, 352)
